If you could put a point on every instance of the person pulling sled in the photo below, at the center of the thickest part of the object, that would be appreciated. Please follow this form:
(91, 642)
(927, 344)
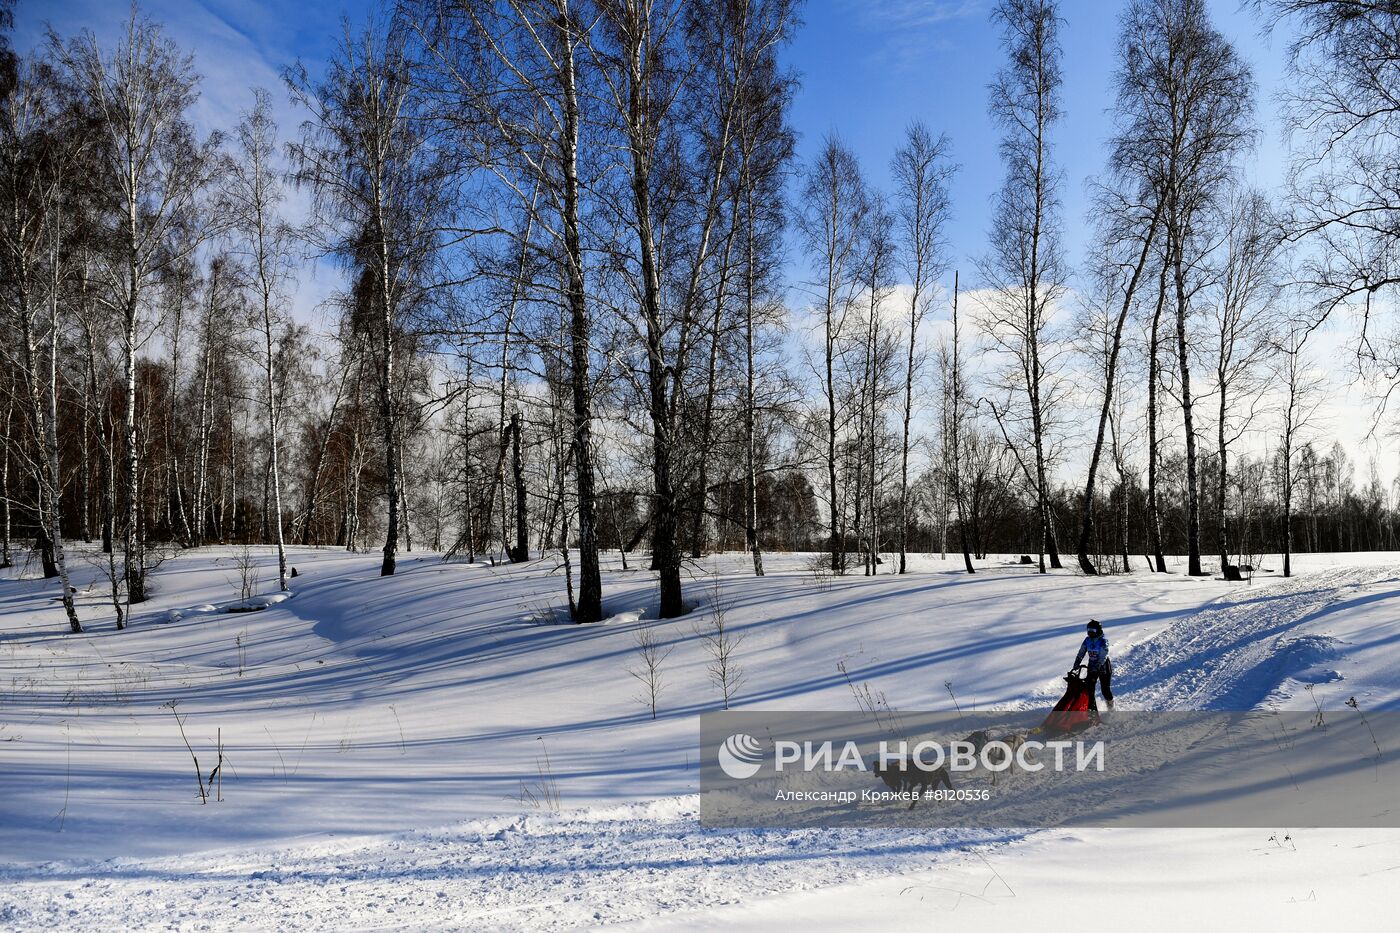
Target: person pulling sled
(1095, 650)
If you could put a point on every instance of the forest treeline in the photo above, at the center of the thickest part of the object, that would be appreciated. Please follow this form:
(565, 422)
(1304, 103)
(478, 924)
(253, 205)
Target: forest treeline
(591, 301)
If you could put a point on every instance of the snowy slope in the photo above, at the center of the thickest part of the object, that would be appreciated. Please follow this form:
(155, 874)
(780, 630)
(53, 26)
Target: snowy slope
(361, 710)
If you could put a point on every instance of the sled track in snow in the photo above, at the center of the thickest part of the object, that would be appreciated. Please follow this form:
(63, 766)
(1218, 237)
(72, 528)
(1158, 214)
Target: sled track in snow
(1231, 656)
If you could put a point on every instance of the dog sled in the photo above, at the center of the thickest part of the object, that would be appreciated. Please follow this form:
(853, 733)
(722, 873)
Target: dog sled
(1076, 710)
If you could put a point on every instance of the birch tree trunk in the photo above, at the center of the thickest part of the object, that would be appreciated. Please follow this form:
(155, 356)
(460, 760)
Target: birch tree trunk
(751, 541)
(1154, 510)
(956, 435)
(256, 191)
(54, 477)
(1086, 525)
(313, 487)
(521, 552)
(5, 443)
(1193, 501)
(588, 607)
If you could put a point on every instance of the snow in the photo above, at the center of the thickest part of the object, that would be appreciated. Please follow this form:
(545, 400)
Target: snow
(1148, 880)
(428, 750)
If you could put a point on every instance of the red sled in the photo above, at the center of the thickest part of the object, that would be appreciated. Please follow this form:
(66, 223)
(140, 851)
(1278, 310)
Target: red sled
(1076, 710)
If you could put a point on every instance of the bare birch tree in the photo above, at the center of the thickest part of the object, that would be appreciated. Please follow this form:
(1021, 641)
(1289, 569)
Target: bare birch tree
(765, 144)
(1193, 97)
(508, 80)
(379, 185)
(955, 399)
(254, 194)
(154, 171)
(1301, 388)
(923, 173)
(1025, 267)
(40, 147)
(1129, 237)
(835, 210)
(1343, 112)
(1241, 319)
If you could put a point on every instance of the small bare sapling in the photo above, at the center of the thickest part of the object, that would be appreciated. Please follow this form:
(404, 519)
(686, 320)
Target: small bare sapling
(651, 654)
(721, 642)
(249, 576)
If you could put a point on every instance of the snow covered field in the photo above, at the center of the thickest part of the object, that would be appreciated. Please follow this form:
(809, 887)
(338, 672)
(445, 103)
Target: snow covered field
(434, 750)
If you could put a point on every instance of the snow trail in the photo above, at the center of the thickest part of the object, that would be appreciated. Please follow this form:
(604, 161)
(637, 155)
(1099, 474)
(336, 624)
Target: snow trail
(1232, 656)
(539, 872)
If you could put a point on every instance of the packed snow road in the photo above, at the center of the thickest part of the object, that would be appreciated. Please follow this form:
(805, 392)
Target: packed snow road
(538, 871)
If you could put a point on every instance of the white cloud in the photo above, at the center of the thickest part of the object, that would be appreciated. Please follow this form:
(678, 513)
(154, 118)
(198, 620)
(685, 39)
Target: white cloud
(913, 14)
(901, 34)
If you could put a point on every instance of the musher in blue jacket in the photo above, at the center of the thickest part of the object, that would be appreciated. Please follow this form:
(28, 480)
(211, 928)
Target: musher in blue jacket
(1095, 648)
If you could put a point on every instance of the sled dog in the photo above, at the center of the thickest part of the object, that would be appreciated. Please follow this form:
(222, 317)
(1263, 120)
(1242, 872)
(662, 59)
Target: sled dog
(903, 776)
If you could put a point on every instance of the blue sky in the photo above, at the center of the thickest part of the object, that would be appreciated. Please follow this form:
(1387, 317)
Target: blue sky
(868, 68)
